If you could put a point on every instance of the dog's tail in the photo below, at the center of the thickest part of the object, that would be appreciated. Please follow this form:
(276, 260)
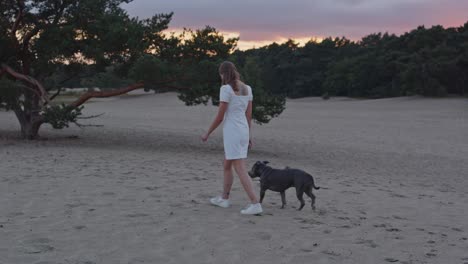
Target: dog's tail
(314, 186)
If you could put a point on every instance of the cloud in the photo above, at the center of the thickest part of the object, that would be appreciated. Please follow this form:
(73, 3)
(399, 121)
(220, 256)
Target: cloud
(262, 20)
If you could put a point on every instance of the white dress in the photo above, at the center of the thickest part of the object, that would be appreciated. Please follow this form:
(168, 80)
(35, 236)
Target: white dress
(235, 126)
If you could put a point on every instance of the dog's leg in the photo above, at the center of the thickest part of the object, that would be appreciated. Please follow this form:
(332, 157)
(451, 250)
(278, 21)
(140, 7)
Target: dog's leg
(262, 194)
(283, 199)
(312, 196)
(299, 194)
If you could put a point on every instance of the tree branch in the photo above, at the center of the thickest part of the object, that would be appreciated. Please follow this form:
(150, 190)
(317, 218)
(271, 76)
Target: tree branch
(59, 14)
(81, 125)
(175, 87)
(29, 36)
(56, 94)
(85, 97)
(40, 91)
(19, 17)
(66, 80)
(90, 117)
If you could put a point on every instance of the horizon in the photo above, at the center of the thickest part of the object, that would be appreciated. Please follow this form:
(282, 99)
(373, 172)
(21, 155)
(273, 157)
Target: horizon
(263, 22)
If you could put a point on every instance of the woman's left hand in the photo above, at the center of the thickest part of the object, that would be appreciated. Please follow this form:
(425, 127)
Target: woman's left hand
(204, 137)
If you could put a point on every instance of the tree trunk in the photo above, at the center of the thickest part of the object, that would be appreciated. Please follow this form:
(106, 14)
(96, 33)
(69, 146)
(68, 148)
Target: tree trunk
(30, 130)
(30, 124)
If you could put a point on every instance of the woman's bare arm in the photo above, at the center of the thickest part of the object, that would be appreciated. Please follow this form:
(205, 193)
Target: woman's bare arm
(248, 114)
(217, 121)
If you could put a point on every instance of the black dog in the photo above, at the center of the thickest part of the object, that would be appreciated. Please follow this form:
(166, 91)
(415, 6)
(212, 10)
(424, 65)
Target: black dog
(280, 180)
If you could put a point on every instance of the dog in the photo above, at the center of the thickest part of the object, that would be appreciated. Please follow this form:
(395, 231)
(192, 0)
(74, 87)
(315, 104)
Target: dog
(279, 180)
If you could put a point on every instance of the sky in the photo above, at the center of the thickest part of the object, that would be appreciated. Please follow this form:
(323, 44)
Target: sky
(261, 22)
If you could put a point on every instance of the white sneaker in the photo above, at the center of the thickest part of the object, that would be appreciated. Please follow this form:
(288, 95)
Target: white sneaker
(219, 201)
(252, 209)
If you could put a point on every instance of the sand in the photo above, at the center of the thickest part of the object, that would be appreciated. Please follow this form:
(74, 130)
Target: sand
(393, 174)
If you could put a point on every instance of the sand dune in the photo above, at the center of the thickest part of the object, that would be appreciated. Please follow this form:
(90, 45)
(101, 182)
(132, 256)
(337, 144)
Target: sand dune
(136, 190)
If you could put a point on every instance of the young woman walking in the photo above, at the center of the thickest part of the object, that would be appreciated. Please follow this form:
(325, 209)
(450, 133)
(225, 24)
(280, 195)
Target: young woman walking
(235, 109)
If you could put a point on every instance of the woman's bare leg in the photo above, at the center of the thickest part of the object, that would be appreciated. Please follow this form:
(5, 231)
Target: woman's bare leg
(228, 178)
(246, 181)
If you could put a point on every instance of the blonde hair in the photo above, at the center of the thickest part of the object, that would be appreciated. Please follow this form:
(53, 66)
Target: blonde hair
(232, 77)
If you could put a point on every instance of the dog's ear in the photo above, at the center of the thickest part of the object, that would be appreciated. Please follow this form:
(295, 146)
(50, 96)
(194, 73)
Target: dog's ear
(266, 162)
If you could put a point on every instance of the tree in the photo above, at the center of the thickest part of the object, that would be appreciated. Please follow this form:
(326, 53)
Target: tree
(425, 61)
(52, 42)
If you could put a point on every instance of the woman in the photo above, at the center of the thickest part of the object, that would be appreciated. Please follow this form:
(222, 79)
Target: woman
(235, 108)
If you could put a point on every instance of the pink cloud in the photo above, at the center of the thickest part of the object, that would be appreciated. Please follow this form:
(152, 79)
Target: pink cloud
(263, 20)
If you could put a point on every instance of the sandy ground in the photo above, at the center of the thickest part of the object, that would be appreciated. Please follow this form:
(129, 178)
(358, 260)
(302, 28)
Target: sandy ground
(393, 174)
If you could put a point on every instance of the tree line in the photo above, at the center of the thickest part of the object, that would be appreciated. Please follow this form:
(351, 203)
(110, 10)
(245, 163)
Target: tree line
(425, 61)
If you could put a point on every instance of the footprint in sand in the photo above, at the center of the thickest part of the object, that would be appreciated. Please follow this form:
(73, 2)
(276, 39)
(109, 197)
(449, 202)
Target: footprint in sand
(36, 246)
(15, 214)
(155, 195)
(397, 195)
(350, 192)
(85, 262)
(263, 235)
(177, 205)
(331, 253)
(399, 217)
(432, 254)
(75, 205)
(321, 212)
(136, 215)
(307, 221)
(369, 243)
(380, 225)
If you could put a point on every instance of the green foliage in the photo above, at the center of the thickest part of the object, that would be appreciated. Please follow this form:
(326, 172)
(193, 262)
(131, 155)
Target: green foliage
(9, 94)
(151, 70)
(207, 86)
(60, 116)
(108, 79)
(265, 106)
(430, 62)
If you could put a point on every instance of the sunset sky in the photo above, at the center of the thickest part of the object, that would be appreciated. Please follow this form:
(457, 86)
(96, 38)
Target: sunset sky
(260, 22)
